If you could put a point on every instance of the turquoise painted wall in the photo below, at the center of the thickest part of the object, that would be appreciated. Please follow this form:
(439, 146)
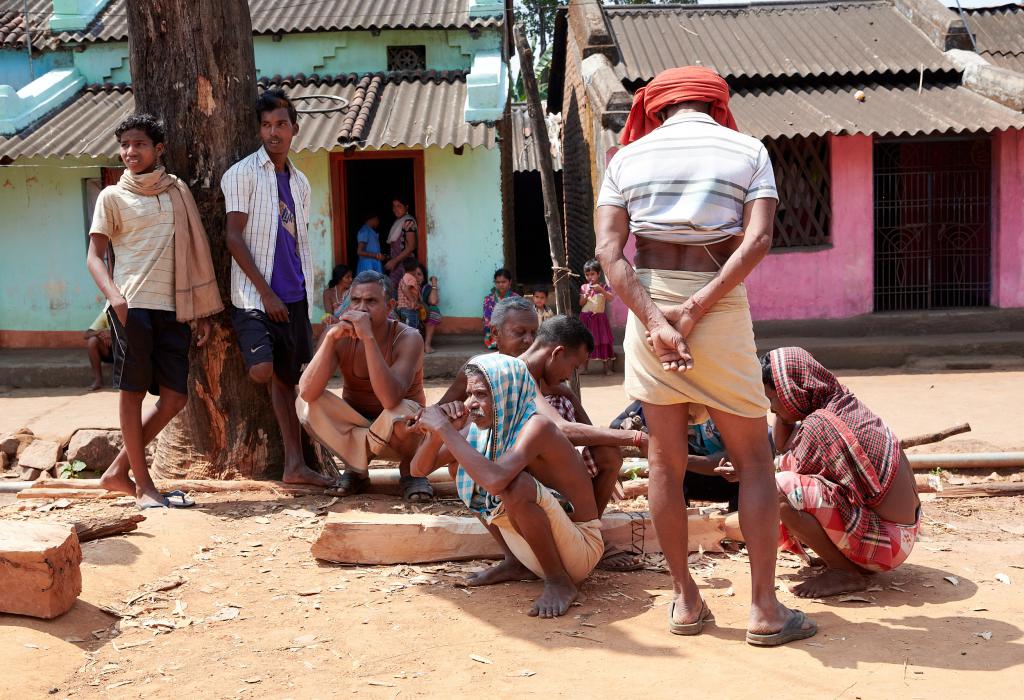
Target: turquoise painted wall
(14, 66)
(464, 230)
(43, 279)
(320, 52)
(316, 166)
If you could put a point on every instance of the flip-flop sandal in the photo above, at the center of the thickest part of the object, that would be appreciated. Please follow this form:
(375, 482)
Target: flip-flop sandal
(172, 499)
(349, 484)
(632, 562)
(791, 631)
(416, 489)
(689, 629)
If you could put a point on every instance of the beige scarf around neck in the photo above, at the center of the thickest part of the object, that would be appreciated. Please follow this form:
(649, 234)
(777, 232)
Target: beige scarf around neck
(195, 284)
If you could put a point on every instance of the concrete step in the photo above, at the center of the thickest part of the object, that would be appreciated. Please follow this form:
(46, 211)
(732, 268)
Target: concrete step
(47, 368)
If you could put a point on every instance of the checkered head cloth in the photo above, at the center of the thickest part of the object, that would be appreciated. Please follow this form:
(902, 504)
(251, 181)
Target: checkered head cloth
(514, 393)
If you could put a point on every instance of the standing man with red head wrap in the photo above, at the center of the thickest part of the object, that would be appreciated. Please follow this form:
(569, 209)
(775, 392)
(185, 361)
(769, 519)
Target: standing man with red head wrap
(700, 198)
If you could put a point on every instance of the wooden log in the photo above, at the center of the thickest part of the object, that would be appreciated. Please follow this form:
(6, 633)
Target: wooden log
(983, 489)
(356, 537)
(39, 568)
(95, 528)
(938, 436)
(732, 527)
(634, 488)
(382, 482)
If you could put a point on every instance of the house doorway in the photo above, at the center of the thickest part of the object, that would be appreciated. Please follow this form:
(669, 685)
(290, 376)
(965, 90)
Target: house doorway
(364, 183)
(533, 251)
(932, 224)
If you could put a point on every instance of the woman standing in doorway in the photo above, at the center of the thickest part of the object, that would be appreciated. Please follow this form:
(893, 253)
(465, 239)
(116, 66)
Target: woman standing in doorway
(401, 240)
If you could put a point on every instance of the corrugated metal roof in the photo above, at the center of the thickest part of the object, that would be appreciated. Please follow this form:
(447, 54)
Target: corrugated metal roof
(885, 111)
(268, 17)
(525, 149)
(999, 35)
(426, 113)
(853, 38)
(424, 110)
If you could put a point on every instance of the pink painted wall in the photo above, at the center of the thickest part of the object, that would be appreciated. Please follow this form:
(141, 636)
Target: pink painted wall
(1008, 219)
(835, 282)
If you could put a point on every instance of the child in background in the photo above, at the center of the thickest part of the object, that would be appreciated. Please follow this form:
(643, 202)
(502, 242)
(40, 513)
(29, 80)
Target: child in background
(336, 294)
(594, 297)
(368, 250)
(409, 294)
(430, 311)
(502, 289)
(540, 303)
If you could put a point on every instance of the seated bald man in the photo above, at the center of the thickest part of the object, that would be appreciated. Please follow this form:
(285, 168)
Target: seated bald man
(552, 353)
(381, 363)
(506, 458)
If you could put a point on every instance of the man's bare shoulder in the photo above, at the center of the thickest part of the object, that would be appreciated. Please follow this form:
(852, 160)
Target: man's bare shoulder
(410, 342)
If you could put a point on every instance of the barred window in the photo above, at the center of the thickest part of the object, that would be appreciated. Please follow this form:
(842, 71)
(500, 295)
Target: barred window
(803, 178)
(407, 58)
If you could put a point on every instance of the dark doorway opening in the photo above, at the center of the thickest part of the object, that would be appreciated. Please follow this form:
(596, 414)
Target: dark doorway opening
(932, 224)
(370, 186)
(533, 253)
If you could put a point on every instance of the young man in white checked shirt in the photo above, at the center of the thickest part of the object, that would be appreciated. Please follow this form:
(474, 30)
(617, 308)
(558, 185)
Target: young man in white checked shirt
(267, 200)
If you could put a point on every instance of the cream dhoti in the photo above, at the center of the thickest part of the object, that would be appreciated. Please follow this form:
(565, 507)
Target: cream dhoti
(726, 374)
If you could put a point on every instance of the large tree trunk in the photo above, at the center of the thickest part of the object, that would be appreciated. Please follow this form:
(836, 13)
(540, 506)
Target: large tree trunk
(193, 67)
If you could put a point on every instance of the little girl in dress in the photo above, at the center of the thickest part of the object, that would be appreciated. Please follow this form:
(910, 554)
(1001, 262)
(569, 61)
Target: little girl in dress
(594, 297)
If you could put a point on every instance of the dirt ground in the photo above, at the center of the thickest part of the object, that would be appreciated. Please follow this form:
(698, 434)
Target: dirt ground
(251, 614)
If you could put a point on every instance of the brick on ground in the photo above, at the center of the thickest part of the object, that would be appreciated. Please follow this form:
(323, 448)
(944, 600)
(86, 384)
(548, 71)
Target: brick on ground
(40, 573)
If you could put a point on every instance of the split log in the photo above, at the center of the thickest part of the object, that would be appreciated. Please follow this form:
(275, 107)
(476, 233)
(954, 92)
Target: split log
(356, 537)
(634, 488)
(939, 436)
(976, 490)
(40, 571)
(95, 528)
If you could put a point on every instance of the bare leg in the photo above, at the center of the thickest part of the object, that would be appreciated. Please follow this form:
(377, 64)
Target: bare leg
(95, 346)
(429, 340)
(609, 461)
(130, 410)
(667, 456)
(509, 569)
(282, 397)
(841, 576)
(170, 403)
(530, 521)
(746, 440)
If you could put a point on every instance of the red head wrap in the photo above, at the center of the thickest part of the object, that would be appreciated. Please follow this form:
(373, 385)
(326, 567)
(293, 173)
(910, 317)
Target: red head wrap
(672, 86)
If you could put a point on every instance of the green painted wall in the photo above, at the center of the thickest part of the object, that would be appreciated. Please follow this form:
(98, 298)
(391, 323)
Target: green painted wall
(464, 231)
(43, 279)
(321, 234)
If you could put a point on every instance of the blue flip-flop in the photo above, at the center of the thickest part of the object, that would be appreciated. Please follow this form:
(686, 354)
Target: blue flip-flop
(172, 499)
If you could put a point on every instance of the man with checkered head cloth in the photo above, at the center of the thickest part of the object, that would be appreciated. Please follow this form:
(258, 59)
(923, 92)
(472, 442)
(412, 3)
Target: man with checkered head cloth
(519, 473)
(700, 199)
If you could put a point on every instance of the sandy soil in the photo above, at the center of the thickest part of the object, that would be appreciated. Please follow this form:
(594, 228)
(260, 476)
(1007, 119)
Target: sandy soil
(911, 403)
(255, 616)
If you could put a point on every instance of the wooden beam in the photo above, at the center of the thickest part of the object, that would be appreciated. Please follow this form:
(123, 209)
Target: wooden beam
(356, 537)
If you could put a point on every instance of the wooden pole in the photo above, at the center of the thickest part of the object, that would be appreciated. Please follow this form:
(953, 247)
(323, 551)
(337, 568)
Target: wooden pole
(939, 436)
(552, 214)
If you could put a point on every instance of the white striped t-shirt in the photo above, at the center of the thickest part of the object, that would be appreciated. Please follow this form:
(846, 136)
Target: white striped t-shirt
(687, 181)
(141, 230)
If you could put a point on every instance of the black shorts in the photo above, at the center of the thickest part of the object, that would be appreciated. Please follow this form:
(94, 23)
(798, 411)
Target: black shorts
(150, 351)
(288, 345)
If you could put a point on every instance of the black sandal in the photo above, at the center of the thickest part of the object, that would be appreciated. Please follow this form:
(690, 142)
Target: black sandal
(350, 484)
(416, 489)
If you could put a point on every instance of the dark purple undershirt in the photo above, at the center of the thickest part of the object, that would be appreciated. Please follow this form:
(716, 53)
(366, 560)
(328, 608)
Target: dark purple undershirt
(287, 280)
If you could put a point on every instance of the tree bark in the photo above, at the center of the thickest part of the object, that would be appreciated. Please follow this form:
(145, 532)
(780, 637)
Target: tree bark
(193, 67)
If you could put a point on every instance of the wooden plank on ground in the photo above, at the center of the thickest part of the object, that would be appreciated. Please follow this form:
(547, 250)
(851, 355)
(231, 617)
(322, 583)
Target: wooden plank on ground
(356, 537)
(983, 489)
